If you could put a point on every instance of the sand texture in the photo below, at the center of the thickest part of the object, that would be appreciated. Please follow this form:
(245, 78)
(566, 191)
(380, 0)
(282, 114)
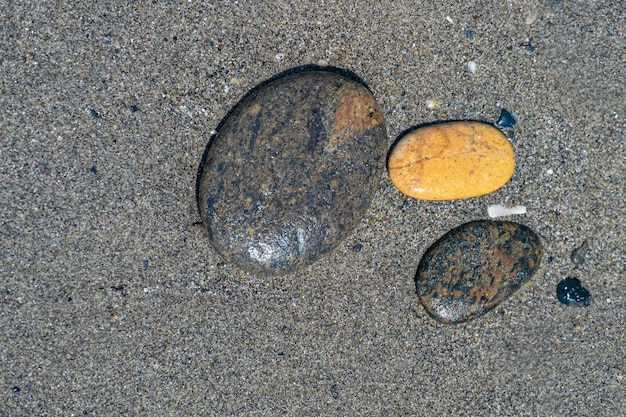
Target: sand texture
(112, 302)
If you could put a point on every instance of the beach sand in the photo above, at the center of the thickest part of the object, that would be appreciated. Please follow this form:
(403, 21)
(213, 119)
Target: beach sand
(113, 302)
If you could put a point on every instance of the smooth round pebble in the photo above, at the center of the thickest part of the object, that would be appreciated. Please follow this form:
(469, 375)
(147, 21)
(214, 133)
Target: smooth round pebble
(571, 292)
(291, 171)
(475, 267)
(450, 161)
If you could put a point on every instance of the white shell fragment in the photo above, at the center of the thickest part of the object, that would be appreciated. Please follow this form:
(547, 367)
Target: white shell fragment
(497, 210)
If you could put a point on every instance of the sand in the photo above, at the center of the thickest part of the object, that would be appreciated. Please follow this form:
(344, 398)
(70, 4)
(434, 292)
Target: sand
(113, 303)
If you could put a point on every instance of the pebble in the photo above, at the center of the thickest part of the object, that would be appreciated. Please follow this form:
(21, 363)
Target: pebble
(506, 119)
(571, 292)
(475, 267)
(449, 161)
(291, 171)
(578, 254)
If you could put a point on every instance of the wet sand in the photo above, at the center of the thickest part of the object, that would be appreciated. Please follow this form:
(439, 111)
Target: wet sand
(113, 302)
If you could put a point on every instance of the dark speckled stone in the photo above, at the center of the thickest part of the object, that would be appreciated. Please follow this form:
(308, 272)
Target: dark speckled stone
(291, 171)
(475, 267)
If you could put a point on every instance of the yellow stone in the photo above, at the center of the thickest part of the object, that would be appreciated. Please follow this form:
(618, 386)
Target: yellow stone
(450, 161)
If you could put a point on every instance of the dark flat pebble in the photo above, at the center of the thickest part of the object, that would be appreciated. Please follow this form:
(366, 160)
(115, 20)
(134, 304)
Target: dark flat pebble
(291, 171)
(475, 267)
(506, 119)
(571, 292)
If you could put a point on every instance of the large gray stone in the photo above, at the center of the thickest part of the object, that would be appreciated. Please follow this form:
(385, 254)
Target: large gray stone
(291, 171)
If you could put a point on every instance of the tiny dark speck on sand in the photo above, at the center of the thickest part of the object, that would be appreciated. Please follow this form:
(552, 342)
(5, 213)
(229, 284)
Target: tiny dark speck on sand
(357, 247)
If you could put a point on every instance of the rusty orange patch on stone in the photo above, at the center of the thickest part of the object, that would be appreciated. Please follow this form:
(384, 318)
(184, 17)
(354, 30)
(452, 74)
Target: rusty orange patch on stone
(254, 109)
(357, 112)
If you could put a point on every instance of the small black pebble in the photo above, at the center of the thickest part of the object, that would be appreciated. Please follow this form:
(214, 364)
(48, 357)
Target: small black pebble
(357, 247)
(16, 389)
(469, 34)
(94, 113)
(571, 292)
(530, 48)
(93, 170)
(334, 391)
(506, 119)
(146, 264)
(134, 108)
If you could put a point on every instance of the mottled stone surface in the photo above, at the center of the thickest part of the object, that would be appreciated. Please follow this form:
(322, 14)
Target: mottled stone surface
(449, 161)
(291, 171)
(475, 267)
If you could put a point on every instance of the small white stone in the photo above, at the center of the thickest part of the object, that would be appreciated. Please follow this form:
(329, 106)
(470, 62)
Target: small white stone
(531, 17)
(432, 104)
(550, 171)
(471, 66)
(498, 210)
(279, 56)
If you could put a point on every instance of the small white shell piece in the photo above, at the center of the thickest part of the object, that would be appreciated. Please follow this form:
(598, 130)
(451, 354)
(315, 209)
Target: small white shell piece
(498, 210)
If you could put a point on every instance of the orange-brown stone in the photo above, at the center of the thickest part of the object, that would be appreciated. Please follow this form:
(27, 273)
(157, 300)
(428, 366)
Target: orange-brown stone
(451, 161)
(475, 267)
